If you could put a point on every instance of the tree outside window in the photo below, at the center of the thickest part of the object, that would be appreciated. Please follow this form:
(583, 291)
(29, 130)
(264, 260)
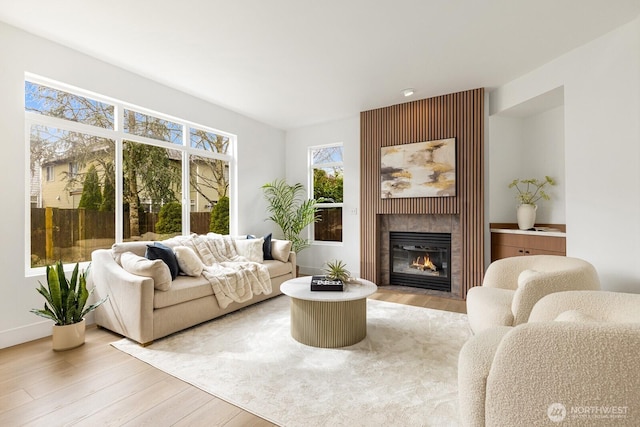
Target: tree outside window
(74, 156)
(327, 176)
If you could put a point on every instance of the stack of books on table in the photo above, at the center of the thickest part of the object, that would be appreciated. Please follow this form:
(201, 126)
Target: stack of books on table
(321, 283)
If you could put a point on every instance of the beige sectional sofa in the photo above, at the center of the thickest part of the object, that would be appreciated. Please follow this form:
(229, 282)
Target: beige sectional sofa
(139, 311)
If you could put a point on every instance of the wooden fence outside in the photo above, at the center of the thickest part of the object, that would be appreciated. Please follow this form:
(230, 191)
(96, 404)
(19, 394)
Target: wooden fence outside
(72, 234)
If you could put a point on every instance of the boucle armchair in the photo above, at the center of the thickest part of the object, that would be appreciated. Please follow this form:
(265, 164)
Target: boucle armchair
(512, 286)
(576, 362)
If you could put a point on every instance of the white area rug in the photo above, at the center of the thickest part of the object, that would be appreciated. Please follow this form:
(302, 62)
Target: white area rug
(404, 373)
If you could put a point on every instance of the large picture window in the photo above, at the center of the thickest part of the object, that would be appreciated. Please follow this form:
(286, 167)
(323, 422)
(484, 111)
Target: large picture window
(326, 176)
(103, 171)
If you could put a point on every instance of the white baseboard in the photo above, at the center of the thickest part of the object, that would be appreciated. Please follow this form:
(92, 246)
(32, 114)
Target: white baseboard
(22, 334)
(34, 331)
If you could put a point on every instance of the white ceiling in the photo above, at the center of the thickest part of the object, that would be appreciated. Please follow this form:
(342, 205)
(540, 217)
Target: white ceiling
(292, 63)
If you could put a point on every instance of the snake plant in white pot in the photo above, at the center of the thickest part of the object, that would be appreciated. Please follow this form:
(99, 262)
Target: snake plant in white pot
(66, 304)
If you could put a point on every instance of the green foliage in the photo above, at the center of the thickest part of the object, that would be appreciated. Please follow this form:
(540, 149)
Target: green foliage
(328, 187)
(65, 301)
(170, 219)
(219, 222)
(529, 191)
(91, 198)
(291, 210)
(108, 190)
(337, 270)
(148, 171)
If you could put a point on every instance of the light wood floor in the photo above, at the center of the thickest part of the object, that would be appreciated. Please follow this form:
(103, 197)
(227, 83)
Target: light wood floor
(97, 385)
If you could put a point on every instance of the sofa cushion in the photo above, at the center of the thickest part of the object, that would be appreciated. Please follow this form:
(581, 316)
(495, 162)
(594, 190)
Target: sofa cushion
(183, 289)
(138, 248)
(188, 261)
(266, 245)
(141, 266)
(277, 268)
(250, 249)
(280, 249)
(159, 251)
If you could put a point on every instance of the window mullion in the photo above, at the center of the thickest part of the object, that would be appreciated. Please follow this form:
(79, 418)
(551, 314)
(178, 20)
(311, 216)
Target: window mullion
(63, 124)
(186, 187)
(118, 114)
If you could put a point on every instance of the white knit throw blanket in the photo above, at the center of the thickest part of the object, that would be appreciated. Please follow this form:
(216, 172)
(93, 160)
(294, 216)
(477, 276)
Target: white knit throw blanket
(232, 277)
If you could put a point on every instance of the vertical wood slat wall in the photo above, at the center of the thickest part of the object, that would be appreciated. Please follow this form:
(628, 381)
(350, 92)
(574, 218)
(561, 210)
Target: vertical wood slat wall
(458, 115)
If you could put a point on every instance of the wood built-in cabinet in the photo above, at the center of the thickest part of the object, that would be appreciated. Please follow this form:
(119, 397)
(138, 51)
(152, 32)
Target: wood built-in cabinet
(509, 243)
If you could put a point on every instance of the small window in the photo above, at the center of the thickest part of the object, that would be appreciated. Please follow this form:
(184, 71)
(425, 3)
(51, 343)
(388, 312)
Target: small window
(148, 126)
(209, 141)
(327, 176)
(76, 108)
(50, 173)
(73, 170)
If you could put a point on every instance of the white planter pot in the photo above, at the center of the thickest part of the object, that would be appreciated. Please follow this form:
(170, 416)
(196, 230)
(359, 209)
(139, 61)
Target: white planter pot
(66, 337)
(526, 216)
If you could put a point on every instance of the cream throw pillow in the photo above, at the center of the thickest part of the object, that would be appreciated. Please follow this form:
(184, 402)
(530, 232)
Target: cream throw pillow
(188, 261)
(250, 249)
(141, 266)
(280, 249)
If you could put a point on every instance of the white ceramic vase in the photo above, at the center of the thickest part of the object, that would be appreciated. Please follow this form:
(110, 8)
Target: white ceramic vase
(66, 337)
(526, 216)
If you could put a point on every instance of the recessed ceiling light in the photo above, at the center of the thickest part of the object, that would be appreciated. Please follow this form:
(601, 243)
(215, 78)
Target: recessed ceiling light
(408, 92)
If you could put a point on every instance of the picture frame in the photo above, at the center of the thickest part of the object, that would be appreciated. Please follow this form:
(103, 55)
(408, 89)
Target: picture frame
(420, 169)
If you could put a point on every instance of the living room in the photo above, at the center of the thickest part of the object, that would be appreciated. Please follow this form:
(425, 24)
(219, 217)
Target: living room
(586, 99)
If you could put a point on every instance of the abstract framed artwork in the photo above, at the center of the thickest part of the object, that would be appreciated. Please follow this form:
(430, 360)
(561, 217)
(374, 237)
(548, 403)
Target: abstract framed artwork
(421, 169)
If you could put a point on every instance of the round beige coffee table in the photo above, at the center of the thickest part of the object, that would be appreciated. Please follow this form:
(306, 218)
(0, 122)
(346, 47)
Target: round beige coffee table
(328, 319)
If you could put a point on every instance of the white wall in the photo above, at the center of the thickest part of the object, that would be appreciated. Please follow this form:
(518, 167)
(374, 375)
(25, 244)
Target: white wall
(260, 155)
(527, 147)
(347, 131)
(602, 149)
(543, 149)
(504, 165)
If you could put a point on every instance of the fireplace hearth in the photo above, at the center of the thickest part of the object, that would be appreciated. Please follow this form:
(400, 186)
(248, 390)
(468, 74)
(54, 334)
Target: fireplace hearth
(420, 259)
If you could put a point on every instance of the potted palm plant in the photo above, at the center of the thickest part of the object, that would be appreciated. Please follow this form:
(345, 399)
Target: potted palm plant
(66, 304)
(291, 210)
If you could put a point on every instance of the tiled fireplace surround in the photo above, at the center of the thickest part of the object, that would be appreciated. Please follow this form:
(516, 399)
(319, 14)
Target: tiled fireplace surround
(421, 223)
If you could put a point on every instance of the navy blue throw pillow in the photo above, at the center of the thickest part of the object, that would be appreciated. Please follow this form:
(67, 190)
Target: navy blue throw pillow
(166, 254)
(266, 245)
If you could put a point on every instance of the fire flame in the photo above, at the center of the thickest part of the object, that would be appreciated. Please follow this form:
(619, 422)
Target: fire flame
(423, 263)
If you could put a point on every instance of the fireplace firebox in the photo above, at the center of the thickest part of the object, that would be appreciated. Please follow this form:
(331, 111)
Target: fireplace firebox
(421, 260)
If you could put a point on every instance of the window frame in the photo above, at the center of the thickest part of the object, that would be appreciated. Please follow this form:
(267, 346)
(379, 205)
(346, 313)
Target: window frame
(119, 135)
(310, 174)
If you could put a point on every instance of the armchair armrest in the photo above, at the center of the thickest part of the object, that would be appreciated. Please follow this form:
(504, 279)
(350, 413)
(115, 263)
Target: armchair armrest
(129, 309)
(534, 285)
(292, 259)
(603, 306)
(503, 273)
(577, 365)
(474, 364)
